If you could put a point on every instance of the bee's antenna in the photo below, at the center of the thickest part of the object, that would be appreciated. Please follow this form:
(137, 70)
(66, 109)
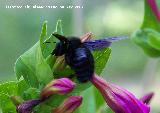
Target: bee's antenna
(48, 42)
(60, 37)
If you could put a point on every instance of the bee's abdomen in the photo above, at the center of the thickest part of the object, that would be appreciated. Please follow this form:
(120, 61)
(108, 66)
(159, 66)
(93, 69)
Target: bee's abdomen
(82, 63)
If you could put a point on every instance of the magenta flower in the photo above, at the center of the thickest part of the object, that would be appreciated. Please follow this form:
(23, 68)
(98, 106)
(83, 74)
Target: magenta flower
(57, 86)
(69, 105)
(27, 106)
(147, 98)
(154, 7)
(119, 99)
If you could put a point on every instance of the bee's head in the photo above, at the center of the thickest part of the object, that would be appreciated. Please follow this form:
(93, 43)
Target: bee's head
(61, 46)
(60, 49)
(65, 45)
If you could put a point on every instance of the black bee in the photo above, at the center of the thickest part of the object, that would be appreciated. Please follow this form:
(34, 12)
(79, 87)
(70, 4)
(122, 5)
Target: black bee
(78, 55)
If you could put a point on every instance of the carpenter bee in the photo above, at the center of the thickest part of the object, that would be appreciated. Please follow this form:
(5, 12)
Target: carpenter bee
(78, 54)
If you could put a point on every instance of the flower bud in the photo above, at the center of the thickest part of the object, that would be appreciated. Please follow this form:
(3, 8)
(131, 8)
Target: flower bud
(119, 99)
(69, 105)
(147, 98)
(27, 106)
(57, 86)
(59, 65)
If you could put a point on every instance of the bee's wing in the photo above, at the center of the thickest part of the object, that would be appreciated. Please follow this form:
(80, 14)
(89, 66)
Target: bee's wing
(102, 43)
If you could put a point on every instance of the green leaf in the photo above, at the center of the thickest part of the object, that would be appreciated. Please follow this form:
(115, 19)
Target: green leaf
(42, 109)
(106, 110)
(88, 104)
(7, 90)
(59, 27)
(51, 60)
(31, 93)
(65, 72)
(99, 100)
(33, 67)
(22, 86)
(55, 100)
(109, 110)
(142, 38)
(6, 104)
(147, 37)
(101, 58)
(48, 47)
(43, 35)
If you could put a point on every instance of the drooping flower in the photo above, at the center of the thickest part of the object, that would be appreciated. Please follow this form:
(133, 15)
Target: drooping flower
(147, 98)
(57, 86)
(27, 106)
(69, 105)
(119, 99)
(154, 7)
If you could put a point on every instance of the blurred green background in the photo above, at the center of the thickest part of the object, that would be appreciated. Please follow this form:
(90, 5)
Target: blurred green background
(128, 66)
